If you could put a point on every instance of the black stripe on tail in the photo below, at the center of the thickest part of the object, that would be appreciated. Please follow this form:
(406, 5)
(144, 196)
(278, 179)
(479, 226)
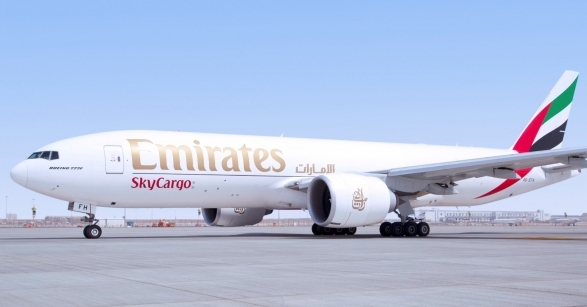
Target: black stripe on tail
(551, 139)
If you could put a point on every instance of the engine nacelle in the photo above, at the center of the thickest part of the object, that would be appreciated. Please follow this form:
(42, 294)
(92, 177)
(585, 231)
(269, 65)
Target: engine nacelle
(233, 217)
(349, 200)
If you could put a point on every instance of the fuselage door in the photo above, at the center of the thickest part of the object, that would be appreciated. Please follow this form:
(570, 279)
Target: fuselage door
(114, 159)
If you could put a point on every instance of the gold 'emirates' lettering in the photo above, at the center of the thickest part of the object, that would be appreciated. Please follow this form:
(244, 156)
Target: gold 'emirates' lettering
(263, 160)
(136, 154)
(175, 154)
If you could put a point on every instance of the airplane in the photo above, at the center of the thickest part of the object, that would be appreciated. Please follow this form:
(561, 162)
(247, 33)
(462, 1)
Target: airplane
(511, 222)
(568, 221)
(238, 179)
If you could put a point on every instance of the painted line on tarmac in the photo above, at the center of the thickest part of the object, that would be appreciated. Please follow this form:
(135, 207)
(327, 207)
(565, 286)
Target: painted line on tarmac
(548, 238)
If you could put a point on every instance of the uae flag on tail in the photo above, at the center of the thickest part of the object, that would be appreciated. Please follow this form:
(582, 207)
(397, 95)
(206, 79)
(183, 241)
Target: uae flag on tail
(546, 129)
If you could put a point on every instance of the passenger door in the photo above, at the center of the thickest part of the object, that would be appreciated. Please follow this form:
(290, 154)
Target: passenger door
(114, 159)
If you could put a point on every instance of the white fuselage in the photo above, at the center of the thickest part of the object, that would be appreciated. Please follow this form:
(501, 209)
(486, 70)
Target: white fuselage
(146, 169)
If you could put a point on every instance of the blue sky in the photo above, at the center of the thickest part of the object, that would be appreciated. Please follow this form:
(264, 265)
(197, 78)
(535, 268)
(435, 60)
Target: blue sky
(421, 72)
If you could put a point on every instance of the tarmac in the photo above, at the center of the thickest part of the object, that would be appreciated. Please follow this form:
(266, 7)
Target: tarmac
(288, 266)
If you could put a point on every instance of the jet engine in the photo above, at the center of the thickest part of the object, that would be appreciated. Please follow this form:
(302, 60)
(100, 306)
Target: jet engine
(349, 200)
(233, 217)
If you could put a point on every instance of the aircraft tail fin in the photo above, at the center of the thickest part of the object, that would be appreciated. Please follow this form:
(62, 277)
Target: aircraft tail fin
(546, 129)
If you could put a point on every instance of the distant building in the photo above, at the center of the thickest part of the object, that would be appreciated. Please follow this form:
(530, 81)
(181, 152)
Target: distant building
(11, 216)
(60, 219)
(456, 216)
(111, 222)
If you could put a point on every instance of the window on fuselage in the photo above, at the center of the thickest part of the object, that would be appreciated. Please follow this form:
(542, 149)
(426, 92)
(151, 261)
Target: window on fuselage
(54, 155)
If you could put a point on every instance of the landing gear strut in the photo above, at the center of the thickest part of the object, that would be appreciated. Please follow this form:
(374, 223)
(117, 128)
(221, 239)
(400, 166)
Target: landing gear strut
(319, 230)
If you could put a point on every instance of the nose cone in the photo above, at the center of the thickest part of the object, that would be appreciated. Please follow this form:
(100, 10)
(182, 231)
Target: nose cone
(20, 173)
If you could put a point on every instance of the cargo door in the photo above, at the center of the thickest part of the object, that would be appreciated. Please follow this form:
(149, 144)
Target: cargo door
(114, 159)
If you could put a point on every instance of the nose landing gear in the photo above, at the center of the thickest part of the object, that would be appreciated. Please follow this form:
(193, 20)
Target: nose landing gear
(92, 230)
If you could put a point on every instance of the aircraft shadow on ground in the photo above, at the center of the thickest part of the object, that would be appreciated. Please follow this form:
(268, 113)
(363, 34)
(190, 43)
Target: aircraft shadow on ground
(450, 236)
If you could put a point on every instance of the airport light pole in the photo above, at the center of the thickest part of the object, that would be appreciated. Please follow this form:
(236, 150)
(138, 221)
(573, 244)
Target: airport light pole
(34, 209)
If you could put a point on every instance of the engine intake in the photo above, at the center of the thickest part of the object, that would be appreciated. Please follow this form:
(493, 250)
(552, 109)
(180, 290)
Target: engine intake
(349, 200)
(233, 217)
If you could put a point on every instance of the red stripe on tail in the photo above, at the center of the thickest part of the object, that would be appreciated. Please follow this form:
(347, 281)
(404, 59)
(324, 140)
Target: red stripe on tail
(524, 143)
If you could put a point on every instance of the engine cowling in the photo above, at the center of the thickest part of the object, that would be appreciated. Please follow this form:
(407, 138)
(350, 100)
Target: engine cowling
(233, 217)
(349, 200)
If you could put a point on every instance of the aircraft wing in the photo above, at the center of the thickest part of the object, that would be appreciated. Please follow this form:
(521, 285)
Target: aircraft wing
(499, 166)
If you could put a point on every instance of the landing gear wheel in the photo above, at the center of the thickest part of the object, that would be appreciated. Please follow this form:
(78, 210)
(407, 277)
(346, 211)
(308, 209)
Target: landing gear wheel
(423, 229)
(316, 230)
(93, 232)
(339, 231)
(86, 231)
(397, 229)
(327, 231)
(410, 229)
(351, 231)
(385, 229)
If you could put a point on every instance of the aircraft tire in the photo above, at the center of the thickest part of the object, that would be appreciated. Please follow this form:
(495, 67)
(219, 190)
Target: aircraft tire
(385, 229)
(339, 231)
(397, 229)
(410, 229)
(351, 231)
(86, 231)
(327, 231)
(94, 232)
(423, 229)
(316, 230)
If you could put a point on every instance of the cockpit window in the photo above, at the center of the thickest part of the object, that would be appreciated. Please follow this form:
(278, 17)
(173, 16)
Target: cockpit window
(35, 155)
(47, 155)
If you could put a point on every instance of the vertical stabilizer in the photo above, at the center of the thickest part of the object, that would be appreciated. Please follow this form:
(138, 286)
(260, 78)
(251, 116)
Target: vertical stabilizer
(546, 129)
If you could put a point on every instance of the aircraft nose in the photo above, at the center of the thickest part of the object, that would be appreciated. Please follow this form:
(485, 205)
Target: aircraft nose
(20, 173)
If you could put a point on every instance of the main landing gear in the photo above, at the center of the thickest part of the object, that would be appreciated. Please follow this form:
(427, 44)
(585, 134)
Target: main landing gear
(92, 231)
(408, 229)
(319, 230)
(409, 226)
